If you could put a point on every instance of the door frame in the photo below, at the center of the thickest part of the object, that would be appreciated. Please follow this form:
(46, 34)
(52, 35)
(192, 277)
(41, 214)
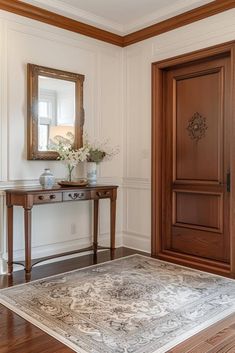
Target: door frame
(158, 69)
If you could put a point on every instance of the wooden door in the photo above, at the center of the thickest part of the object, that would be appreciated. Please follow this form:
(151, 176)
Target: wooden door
(195, 163)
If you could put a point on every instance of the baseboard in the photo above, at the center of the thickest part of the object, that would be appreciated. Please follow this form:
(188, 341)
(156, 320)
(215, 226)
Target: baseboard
(57, 248)
(3, 266)
(137, 241)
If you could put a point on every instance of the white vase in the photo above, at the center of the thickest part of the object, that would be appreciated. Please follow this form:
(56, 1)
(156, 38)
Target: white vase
(47, 179)
(92, 173)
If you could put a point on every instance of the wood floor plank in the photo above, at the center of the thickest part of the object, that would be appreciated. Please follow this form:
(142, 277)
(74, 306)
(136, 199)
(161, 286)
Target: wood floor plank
(221, 336)
(200, 348)
(204, 335)
(226, 346)
(232, 326)
(18, 335)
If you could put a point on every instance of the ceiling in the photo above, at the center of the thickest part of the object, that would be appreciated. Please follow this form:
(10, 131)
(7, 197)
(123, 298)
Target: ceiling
(119, 16)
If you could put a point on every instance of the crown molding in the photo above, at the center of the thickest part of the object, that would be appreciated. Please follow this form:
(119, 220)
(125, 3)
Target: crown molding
(62, 8)
(24, 9)
(169, 11)
(183, 19)
(51, 18)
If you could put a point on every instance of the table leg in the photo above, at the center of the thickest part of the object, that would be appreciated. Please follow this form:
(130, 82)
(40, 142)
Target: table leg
(10, 238)
(95, 230)
(112, 222)
(27, 230)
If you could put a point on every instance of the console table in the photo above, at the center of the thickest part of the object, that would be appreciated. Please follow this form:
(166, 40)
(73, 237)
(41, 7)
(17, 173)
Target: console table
(27, 198)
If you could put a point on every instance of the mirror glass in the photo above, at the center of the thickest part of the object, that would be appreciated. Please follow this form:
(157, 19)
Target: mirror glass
(56, 110)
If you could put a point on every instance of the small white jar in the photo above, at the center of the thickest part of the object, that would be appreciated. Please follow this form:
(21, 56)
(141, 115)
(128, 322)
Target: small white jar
(47, 179)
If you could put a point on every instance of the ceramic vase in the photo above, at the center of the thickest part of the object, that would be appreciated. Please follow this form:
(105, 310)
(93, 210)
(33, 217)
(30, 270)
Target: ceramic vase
(92, 173)
(47, 179)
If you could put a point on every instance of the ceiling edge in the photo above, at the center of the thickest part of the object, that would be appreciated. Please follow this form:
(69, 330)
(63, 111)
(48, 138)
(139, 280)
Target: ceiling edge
(51, 18)
(24, 9)
(181, 20)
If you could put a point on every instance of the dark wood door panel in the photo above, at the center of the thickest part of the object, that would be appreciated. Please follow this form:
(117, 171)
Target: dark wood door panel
(198, 126)
(199, 243)
(198, 211)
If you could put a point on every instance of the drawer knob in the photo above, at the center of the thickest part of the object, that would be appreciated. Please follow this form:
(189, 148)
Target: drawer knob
(41, 197)
(52, 197)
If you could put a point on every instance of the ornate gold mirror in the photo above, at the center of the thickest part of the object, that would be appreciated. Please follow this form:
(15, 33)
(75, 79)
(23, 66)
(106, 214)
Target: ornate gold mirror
(55, 108)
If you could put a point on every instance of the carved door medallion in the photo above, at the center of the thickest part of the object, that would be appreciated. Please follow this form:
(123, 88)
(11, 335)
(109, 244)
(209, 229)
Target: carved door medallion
(197, 127)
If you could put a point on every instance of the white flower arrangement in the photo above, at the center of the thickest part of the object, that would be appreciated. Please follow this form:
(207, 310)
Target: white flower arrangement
(70, 156)
(90, 152)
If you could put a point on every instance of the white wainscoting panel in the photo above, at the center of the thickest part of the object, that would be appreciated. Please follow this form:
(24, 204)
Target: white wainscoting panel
(26, 41)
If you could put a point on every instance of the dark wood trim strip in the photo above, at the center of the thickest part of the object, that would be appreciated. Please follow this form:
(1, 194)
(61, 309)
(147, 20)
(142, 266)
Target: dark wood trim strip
(23, 9)
(51, 18)
(183, 19)
(190, 261)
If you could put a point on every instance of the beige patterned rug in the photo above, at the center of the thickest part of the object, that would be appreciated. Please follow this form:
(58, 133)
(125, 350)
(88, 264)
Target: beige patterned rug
(131, 305)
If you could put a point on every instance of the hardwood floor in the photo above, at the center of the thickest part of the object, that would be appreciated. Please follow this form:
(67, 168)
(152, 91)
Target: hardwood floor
(19, 336)
(219, 338)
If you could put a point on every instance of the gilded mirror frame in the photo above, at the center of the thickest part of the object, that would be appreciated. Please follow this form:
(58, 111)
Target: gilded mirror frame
(33, 73)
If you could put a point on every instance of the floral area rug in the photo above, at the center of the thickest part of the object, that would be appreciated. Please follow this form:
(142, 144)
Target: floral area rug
(131, 305)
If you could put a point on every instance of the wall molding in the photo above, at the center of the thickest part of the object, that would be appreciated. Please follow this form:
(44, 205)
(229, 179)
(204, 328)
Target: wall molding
(51, 18)
(136, 183)
(199, 13)
(36, 13)
(79, 14)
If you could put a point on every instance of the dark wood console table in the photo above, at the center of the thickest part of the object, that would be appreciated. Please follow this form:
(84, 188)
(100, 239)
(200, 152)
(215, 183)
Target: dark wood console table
(27, 198)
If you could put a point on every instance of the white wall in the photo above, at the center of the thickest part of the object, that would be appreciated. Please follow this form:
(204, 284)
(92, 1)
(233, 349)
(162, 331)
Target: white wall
(118, 106)
(25, 41)
(137, 147)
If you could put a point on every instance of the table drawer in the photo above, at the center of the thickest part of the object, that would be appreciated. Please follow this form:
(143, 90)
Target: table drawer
(101, 194)
(47, 198)
(76, 195)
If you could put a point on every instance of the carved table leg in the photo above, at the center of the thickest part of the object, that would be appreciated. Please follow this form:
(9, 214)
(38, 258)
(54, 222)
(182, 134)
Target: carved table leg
(27, 224)
(95, 231)
(10, 238)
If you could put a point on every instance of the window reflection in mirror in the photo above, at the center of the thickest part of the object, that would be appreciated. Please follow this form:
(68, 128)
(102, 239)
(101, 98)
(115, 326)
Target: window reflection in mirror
(56, 110)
